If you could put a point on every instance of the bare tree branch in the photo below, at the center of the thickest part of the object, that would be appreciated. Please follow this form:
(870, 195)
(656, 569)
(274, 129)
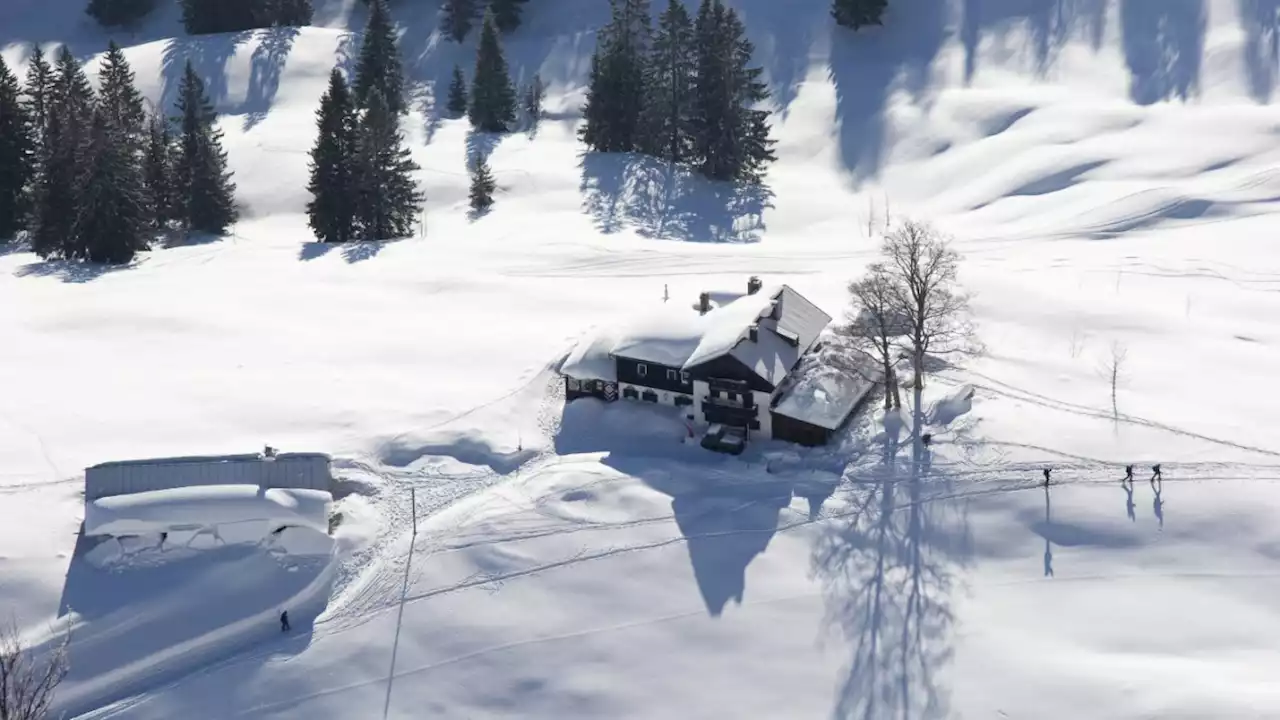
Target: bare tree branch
(1114, 371)
(936, 309)
(874, 323)
(28, 678)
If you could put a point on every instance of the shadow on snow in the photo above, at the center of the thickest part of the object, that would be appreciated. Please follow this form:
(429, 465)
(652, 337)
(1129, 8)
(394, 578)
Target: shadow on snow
(1047, 24)
(1261, 20)
(662, 201)
(1163, 47)
(887, 564)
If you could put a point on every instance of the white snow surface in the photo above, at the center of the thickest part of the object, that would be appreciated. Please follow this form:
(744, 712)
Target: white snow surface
(1108, 170)
(206, 506)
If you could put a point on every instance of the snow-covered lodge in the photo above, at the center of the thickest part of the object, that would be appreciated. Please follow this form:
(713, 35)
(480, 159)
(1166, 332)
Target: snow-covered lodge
(733, 361)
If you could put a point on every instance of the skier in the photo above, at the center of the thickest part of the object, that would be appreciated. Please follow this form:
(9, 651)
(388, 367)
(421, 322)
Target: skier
(1155, 473)
(284, 621)
(1128, 474)
(1046, 477)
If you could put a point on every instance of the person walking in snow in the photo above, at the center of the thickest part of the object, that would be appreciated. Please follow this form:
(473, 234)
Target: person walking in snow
(1155, 474)
(284, 621)
(1046, 477)
(1128, 474)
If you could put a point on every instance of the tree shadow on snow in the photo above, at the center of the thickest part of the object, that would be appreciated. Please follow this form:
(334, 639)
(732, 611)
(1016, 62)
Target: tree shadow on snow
(1047, 24)
(314, 250)
(869, 66)
(557, 45)
(266, 66)
(670, 202)
(354, 252)
(29, 22)
(208, 55)
(887, 564)
(1261, 20)
(785, 35)
(1163, 48)
(71, 271)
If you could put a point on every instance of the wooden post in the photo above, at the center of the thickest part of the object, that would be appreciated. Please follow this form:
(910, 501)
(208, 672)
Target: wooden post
(413, 498)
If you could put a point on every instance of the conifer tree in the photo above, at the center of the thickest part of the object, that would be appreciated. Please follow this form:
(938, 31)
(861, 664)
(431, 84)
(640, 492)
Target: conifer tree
(289, 13)
(533, 96)
(858, 13)
(56, 199)
(456, 18)
(111, 222)
(17, 154)
(120, 99)
(38, 95)
(116, 13)
(482, 184)
(730, 139)
(457, 103)
(379, 65)
(506, 13)
(754, 146)
(69, 104)
(388, 201)
(205, 201)
(493, 99)
(157, 170)
(666, 119)
(616, 91)
(333, 185)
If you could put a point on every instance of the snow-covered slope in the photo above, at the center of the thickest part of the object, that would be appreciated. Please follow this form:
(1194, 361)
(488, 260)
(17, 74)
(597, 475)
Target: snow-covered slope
(1108, 169)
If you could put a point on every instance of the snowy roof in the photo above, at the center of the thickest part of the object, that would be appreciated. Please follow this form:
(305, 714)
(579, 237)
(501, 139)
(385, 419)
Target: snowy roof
(204, 507)
(824, 396)
(591, 360)
(786, 325)
(667, 337)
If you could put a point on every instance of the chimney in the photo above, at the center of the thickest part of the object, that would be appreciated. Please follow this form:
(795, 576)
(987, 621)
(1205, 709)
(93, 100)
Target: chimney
(753, 333)
(704, 303)
(754, 285)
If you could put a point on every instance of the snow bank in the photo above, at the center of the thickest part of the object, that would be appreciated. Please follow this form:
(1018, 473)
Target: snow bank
(953, 406)
(220, 507)
(667, 337)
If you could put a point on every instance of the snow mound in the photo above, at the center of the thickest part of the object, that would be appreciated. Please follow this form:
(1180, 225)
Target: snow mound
(229, 509)
(947, 409)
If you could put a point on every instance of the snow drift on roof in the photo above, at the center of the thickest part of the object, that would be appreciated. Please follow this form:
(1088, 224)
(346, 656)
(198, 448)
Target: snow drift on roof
(824, 396)
(206, 506)
(667, 337)
(727, 326)
(591, 360)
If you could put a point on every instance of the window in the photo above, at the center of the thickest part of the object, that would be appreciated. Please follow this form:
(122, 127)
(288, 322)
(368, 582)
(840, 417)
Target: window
(673, 375)
(715, 393)
(573, 384)
(684, 377)
(642, 370)
(630, 393)
(754, 424)
(649, 396)
(683, 401)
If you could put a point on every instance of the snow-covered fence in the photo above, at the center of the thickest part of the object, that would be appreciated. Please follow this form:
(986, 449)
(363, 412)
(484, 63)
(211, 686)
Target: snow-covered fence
(304, 471)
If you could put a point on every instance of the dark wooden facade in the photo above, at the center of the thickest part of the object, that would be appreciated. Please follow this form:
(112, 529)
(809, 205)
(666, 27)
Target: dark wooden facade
(654, 375)
(601, 389)
(799, 432)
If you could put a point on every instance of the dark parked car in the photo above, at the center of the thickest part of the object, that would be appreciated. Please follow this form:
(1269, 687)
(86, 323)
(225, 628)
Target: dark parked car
(725, 439)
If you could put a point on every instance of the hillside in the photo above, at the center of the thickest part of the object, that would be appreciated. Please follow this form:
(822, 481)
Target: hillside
(1107, 167)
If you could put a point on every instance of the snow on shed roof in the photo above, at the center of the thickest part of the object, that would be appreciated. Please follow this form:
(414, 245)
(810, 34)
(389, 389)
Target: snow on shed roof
(591, 360)
(206, 506)
(824, 396)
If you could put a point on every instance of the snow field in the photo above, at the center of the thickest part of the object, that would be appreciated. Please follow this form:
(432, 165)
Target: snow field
(569, 562)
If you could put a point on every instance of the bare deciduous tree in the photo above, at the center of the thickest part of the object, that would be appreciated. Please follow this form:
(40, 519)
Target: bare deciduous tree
(933, 305)
(875, 323)
(1115, 372)
(28, 678)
